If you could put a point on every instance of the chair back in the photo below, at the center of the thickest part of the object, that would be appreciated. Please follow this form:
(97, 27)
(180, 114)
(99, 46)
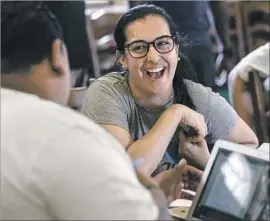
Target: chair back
(259, 117)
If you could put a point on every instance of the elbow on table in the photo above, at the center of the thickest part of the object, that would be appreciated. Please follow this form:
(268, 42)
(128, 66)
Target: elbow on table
(252, 140)
(243, 134)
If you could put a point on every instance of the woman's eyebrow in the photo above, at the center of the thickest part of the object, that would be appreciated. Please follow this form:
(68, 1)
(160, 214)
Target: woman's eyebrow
(142, 40)
(137, 40)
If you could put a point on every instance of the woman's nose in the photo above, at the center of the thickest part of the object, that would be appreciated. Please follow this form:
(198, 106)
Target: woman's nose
(152, 55)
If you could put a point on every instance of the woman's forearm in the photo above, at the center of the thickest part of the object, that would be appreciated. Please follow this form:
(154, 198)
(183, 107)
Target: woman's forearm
(153, 145)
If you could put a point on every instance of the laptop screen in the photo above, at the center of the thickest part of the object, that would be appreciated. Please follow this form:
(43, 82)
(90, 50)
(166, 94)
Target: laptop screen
(236, 188)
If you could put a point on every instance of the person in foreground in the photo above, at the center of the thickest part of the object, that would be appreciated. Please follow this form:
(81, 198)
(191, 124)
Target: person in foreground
(149, 105)
(55, 163)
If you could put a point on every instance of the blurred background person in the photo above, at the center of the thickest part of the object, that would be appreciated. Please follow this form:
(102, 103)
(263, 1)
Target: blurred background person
(239, 93)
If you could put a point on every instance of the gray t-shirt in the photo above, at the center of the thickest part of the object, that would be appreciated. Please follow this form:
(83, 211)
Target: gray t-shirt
(109, 101)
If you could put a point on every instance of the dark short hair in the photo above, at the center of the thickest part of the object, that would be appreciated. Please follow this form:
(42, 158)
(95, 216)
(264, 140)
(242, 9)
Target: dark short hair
(184, 68)
(28, 30)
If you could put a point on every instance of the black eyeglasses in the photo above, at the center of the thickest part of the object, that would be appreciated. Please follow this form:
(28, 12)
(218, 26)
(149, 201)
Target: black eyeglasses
(139, 49)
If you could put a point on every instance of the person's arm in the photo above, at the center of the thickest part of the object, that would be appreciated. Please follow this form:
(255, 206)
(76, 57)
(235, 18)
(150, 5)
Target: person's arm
(85, 174)
(108, 109)
(241, 100)
(226, 123)
(241, 133)
(152, 146)
(239, 94)
(169, 181)
(222, 120)
(158, 195)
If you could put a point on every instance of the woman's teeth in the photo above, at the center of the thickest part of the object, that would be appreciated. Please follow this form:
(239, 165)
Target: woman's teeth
(155, 73)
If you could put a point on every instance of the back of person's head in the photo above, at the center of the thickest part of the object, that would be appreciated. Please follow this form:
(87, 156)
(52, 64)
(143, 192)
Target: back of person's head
(28, 32)
(31, 38)
(184, 69)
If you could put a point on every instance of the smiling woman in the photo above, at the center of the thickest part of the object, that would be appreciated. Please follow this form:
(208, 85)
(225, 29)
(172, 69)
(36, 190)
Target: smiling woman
(146, 106)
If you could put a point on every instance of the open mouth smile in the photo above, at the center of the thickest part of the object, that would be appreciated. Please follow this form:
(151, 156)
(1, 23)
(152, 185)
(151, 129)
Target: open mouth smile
(155, 73)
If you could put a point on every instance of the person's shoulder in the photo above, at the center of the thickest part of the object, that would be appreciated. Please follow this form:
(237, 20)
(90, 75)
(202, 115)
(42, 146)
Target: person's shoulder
(263, 49)
(30, 111)
(196, 89)
(110, 79)
(256, 55)
(113, 84)
(202, 96)
(258, 60)
(67, 118)
(45, 124)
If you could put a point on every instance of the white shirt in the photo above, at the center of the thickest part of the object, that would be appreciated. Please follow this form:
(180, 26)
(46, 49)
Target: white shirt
(57, 164)
(256, 60)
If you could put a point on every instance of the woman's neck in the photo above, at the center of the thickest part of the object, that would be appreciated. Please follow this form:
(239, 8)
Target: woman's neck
(151, 101)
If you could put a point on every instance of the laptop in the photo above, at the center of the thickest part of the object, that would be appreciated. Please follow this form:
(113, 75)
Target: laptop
(234, 186)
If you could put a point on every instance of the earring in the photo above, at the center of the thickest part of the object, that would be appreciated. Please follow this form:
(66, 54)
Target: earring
(123, 67)
(178, 59)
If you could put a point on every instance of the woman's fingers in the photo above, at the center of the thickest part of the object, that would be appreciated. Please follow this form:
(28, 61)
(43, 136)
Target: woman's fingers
(194, 120)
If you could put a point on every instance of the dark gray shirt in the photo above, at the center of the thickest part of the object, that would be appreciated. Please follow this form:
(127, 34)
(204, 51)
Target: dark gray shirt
(109, 101)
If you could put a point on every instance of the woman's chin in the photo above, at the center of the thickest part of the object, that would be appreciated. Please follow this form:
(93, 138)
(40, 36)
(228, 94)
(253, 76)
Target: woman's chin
(157, 90)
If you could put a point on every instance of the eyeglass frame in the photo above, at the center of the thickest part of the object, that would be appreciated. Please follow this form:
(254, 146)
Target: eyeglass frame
(151, 43)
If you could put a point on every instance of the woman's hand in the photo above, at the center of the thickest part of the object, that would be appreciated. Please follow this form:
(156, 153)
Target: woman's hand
(194, 120)
(197, 153)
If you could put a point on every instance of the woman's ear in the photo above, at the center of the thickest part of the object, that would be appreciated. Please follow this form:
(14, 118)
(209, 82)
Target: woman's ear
(122, 62)
(177, 49)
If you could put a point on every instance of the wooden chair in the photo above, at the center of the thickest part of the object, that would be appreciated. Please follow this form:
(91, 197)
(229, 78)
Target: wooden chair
(237, 30)
(247, 8)
(259, 118)
(77, 97)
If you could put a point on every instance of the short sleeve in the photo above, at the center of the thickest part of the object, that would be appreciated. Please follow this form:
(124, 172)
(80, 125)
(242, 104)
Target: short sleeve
(219, 115)
(258, 60)
(86, 175)
(255, 60)
(105, 105)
